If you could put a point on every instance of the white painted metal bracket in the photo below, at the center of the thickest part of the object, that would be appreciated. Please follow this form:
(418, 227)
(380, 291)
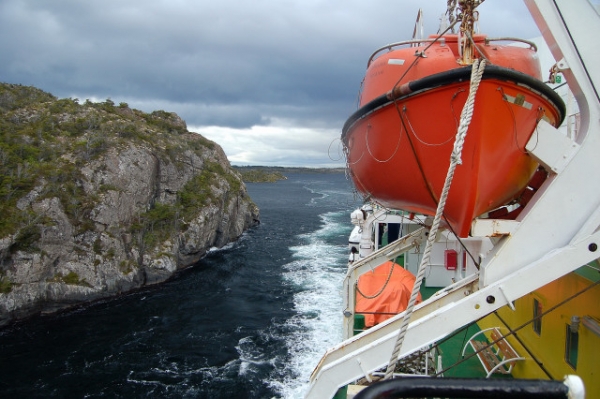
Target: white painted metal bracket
(552, 149)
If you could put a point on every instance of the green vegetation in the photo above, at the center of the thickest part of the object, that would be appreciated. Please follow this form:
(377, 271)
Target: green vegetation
(5, 285)
(165, 121)
(126, 266)
(97, 247)
(70, 278)
(260, 176)
(17, 96)
(162, 220)
(269, 174)
(26, 239)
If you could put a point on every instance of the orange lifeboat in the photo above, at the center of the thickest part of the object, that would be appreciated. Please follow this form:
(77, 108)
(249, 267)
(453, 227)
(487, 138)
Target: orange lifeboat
(398, 143)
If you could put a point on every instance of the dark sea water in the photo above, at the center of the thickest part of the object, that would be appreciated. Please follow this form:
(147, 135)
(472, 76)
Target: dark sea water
(248, 321)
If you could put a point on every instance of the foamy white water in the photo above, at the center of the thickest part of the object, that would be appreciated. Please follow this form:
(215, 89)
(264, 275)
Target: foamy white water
(318, 269)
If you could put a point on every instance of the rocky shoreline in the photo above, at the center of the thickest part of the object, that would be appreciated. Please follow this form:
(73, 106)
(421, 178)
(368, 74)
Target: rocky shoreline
(113, 199)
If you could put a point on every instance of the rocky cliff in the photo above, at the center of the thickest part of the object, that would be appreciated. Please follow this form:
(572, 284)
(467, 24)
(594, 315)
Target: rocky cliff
(98, 199)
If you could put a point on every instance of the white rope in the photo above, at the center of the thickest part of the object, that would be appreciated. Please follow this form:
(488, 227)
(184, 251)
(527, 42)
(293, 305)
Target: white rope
(455, 159)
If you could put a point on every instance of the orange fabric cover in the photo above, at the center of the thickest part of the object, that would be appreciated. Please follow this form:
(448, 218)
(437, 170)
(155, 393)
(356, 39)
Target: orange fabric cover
(394, 297)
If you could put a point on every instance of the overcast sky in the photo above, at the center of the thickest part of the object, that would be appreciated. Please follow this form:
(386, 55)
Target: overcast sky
(271, 81)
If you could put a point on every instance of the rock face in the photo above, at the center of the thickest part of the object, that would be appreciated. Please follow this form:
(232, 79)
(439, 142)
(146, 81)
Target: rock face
(102, 199)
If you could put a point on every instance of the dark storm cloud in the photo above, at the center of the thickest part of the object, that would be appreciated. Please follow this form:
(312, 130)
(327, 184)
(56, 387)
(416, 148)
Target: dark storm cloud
(261, 54)
(227, 63)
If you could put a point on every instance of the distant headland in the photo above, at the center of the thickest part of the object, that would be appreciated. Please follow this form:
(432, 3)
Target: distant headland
(269, 174)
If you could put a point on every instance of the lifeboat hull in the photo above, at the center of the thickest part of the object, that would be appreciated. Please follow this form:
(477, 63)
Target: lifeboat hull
(398, 144)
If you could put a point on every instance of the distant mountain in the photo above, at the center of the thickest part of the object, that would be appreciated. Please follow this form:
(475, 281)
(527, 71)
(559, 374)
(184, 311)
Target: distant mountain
(98, 199)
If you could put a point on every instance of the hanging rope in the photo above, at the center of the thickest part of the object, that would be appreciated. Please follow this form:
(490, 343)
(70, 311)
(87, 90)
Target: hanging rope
(455, 159)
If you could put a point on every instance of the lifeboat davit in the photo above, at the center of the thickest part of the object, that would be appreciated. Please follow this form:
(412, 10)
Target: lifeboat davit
(398, 143)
